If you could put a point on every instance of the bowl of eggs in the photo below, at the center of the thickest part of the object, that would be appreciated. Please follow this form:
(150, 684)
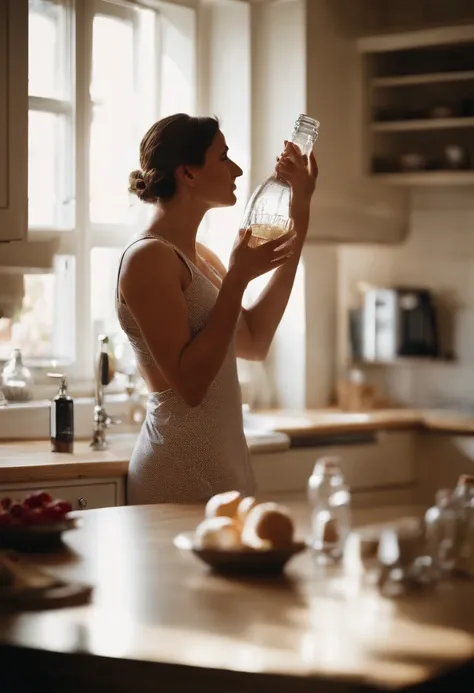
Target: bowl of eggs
(239, 535)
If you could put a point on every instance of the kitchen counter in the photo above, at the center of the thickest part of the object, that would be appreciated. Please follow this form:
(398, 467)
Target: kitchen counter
(159, 616)
(24, 461)
(266, 431)
(319, 422)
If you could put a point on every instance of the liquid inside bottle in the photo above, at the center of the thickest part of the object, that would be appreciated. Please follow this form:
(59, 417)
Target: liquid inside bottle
(268, 210)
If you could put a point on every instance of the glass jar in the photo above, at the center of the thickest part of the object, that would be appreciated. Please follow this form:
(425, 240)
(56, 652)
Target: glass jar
(442, 531)
(463, 499)
(17, 381)
(330, 501)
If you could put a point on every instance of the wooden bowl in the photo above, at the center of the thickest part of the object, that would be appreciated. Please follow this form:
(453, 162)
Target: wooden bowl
(242, 561)
(32, 539)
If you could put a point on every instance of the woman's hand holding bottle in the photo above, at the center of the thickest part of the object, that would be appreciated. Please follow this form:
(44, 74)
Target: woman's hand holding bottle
(298, 171)
(247, 262)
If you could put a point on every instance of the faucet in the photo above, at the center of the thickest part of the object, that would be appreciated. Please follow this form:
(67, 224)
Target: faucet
(101, 419)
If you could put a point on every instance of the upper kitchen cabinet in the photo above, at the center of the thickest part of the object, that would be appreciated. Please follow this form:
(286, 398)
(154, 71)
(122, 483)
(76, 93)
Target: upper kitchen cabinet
(419, 126)
(13, 119)
(349, 205)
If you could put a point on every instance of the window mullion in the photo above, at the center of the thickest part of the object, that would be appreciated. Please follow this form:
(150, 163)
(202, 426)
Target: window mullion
(47, 105)
(83, 339)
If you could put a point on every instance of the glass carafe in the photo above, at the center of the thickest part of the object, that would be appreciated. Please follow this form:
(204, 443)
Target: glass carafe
(268, 210)
(330, 501)
(441, 531)
(17, 380)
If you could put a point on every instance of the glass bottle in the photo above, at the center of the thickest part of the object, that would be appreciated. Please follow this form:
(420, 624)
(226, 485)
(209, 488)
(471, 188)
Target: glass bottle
(17, 381)
(268, 210)
(61, 418)
(441, 531)
(330, 501)
(463, 498)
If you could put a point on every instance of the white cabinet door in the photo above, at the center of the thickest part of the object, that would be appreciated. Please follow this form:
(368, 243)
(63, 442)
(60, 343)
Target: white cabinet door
(13, 119)
(82, 496)
(386, 464)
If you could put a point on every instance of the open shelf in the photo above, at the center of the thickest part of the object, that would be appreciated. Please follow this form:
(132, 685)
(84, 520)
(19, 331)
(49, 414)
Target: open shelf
(426, 178)
(423, 124)
(413, 80)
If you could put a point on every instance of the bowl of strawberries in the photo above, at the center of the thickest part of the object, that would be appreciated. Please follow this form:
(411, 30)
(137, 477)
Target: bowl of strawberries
(35, 523)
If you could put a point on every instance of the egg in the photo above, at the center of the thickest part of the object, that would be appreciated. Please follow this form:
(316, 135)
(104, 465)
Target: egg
(268, 526)
(217, 533)
(244, 508)
(223, 504)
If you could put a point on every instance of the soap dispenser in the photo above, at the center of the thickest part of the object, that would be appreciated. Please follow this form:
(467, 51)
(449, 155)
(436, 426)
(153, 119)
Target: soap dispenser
(61, 418)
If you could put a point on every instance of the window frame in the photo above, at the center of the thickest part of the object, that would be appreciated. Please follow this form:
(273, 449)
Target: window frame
(80, 237)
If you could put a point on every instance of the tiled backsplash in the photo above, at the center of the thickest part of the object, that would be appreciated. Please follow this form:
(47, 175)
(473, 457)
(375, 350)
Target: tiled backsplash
(438, 254)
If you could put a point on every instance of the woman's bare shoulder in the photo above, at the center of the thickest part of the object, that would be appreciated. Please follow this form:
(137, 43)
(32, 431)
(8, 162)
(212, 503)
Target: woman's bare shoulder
(149, 262)
(146, 252)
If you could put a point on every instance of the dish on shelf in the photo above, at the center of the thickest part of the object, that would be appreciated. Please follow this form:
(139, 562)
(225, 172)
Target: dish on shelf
(413, 161)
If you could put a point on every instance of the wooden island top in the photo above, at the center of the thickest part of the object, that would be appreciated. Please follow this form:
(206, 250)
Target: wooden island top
(166, 618)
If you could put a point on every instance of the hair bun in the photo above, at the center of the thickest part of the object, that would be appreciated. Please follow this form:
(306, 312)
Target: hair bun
(137, 183)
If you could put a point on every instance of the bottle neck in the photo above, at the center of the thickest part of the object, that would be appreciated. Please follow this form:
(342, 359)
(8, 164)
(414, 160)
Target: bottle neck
(305, 134)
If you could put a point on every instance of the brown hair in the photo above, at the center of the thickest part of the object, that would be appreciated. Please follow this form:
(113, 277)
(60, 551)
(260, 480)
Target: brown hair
(171, 142)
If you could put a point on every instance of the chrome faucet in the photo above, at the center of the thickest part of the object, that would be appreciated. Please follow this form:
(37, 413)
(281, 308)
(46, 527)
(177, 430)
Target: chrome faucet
(103, 377)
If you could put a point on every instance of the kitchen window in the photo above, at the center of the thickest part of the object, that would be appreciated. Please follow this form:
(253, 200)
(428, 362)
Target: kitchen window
(100, 73)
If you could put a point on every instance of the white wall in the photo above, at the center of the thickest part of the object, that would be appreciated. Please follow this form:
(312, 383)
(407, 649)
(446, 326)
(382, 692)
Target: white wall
(225, 76)
(278, 97)
(438, 254)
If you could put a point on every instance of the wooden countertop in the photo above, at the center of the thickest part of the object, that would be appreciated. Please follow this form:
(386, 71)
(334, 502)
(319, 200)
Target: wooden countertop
(23, 461)
(160, 616)
(319, 422)
(32, 460)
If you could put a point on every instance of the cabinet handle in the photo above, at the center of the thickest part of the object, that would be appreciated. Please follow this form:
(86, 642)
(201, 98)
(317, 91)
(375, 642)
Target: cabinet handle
(82, 503)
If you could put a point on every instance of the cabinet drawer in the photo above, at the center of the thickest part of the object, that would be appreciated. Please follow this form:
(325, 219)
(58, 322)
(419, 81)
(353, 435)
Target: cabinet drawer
(81, 497)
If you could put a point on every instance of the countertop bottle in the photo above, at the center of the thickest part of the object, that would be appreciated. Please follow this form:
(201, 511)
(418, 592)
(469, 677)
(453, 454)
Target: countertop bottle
(268, 210)
(441, 531)
(463, 498)
(330, 501)
(61, 418)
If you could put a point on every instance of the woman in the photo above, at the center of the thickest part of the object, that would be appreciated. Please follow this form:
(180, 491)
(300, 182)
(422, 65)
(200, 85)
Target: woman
(182, 311)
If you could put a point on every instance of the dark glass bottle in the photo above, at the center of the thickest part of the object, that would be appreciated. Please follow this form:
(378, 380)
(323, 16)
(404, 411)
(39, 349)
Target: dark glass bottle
(61, 418)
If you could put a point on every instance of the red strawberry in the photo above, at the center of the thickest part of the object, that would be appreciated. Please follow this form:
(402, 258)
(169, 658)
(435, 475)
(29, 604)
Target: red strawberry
(5, 503)
(44, 498)
(33, 517)
(5, 519)
(51, 514)
(17, 510)
(32, 501)
(62, 506)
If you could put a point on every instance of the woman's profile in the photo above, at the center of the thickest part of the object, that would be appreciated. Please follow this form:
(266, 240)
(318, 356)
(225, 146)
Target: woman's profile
(182, 311)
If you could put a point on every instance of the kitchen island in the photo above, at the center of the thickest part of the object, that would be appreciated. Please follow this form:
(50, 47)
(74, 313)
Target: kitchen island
(162, 621)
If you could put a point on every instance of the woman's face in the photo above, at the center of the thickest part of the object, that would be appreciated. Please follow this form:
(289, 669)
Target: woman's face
(214, 182)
